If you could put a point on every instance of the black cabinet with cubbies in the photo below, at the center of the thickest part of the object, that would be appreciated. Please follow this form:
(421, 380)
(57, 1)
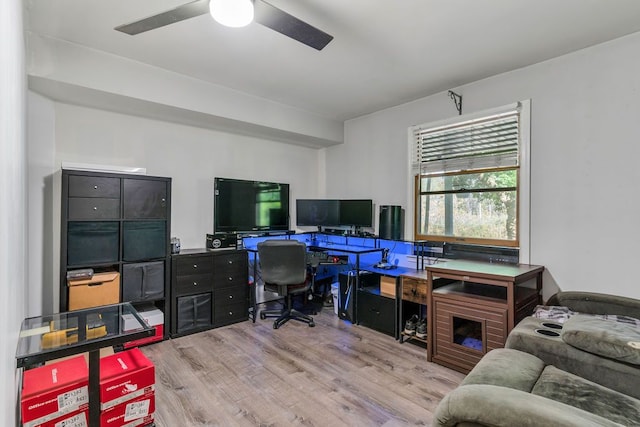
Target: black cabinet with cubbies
(118, 223)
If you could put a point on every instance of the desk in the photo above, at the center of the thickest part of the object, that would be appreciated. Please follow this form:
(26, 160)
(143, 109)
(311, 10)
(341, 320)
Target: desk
(313, 246)
(30, 351)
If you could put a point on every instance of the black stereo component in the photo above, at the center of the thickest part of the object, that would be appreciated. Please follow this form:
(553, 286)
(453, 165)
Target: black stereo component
(222, 241)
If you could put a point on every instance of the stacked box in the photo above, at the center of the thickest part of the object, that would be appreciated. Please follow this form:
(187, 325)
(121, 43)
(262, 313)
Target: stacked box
(127, 396)
(56, 392)
(100, 289)
(153, 317)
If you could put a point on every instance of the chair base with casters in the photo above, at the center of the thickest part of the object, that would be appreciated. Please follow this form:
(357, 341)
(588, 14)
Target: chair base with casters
(288, 312)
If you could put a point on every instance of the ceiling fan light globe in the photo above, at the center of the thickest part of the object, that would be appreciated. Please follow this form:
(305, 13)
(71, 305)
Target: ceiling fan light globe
(232, 13)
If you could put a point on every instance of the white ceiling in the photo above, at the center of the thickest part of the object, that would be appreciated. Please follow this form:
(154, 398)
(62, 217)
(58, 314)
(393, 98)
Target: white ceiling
(385, 52)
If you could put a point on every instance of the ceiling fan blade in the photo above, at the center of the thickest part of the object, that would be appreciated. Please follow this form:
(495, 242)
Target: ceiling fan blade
(180, 13)
(280, 21)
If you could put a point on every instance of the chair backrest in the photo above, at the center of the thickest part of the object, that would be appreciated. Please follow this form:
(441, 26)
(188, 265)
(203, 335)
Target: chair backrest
(283, 262)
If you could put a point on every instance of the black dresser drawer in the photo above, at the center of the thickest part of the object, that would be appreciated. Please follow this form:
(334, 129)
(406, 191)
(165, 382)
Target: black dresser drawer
(230, 270)
(228, 296)
(230, 313)
(93, 208)
(94, 186)
(194, 283)
(188, 265)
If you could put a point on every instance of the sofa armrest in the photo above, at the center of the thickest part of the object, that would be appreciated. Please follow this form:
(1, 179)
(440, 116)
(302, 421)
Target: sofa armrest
(596, 303)
(489, 405)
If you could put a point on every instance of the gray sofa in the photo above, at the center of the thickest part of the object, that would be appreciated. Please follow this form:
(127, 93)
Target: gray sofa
(586, 373)
(593, 348)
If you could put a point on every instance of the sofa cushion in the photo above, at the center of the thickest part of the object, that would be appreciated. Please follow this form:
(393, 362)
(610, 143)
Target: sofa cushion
(495, 406)
(491, 370)
(613, 339)
(619, 376)
(575, 391)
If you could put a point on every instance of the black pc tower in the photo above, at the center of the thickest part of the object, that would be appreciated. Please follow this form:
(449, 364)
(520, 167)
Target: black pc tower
(347, 291)
(391, 224)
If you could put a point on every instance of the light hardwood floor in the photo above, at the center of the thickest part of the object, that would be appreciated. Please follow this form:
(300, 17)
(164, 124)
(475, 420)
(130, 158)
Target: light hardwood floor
(336, 374)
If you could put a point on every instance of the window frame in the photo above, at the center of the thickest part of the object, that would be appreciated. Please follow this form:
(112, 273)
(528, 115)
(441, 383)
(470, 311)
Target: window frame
(524, 173)
(461, 239)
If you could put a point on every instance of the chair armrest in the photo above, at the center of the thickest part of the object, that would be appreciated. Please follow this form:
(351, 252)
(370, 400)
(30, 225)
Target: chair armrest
(596, 303)
(489, 405)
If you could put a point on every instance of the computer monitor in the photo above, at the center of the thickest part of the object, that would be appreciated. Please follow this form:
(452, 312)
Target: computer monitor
(317, 212)
(358, 213)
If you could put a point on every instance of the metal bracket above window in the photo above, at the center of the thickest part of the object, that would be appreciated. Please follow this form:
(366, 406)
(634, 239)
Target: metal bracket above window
(457, 99)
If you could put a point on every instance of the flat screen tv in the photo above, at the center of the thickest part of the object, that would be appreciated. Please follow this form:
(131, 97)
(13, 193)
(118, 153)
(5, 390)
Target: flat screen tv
(241, 206)
(356, 212)
(317, 212)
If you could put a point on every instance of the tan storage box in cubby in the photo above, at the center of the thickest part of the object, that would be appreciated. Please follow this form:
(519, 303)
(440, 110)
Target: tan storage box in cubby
(388, 286)
(101, 289)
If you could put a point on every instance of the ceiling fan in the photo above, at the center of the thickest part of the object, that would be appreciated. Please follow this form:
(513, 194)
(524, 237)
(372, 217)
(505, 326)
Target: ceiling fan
(263, 13)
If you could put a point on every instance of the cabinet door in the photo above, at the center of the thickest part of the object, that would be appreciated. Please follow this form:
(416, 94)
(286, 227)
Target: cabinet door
(143, 281)
(145, 198)
(376, 312)
(193, 312)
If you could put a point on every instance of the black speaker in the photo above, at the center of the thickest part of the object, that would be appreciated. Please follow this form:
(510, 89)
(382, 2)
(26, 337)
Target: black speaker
(391, 221)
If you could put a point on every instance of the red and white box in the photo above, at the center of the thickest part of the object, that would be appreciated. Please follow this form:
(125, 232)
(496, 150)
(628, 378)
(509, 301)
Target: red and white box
(136, 412)
(76, 419)
(153, 317)
(125, 376)
(52, 391)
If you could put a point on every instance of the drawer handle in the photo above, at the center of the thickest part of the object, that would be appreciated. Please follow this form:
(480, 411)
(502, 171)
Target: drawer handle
(195, 265)
(230, 296)
(95, 187)
(95, 208)
(231, 279)
(231, 313)
(195, 283)
(230, 262)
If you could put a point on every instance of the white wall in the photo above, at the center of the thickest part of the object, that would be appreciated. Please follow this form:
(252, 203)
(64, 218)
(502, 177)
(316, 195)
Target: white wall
(13, 205)
(191, 156)
(584, 160)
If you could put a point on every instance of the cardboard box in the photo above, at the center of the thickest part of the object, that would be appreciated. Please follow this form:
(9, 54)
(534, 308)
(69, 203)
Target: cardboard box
(50, 391)
(136, 412)
(76, 419)
(101, 289)
(125, 376)
(153, 317)
(388, 286)
(159, 334)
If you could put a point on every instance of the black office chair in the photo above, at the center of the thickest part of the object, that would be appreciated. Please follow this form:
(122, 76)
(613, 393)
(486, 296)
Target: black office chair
(283, 264)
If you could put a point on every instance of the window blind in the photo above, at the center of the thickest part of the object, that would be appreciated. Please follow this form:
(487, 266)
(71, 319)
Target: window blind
(488, 142)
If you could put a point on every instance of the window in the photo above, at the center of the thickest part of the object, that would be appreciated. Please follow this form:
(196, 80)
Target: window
(468, 179)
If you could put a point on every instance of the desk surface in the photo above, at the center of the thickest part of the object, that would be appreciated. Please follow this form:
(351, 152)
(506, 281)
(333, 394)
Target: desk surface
(478, 268)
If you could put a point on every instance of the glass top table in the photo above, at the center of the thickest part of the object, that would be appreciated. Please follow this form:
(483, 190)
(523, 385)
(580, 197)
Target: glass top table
(58, 335)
